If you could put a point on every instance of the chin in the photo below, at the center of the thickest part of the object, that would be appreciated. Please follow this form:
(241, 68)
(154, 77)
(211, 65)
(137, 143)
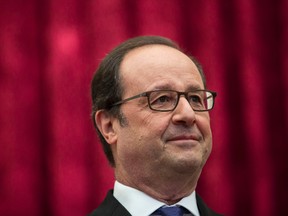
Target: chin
(188, 165)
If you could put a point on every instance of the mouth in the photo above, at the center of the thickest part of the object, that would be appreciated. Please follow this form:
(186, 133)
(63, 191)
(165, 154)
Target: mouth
(185, 139)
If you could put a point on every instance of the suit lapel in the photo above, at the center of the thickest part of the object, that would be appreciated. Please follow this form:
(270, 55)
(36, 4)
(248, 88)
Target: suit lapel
(203, 208)
(110, 207)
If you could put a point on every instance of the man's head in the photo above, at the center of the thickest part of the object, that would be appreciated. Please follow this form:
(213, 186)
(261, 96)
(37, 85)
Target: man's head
(108, 83)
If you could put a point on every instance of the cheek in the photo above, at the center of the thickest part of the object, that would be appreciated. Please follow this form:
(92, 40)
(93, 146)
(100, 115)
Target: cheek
(149, 123)
(203, 124)
(154, 128)
(146, 131)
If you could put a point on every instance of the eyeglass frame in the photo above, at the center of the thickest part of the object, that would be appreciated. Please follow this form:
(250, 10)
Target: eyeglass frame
(148, 93)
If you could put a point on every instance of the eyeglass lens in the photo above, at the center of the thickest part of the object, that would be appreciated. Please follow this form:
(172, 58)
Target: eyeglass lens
(168, 100)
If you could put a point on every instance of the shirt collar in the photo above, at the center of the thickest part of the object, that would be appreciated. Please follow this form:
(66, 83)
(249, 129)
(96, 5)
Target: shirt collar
(140, 204)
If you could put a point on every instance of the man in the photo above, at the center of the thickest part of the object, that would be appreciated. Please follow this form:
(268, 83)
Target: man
(150, 108)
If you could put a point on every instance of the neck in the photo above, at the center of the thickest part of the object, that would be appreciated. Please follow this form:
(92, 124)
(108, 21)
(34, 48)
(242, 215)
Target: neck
(169, 189)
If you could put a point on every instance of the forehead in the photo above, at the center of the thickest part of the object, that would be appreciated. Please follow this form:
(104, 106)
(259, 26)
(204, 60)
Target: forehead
(150, 66)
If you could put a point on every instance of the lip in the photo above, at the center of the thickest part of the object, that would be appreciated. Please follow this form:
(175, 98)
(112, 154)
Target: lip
(183, 138)
(186, 142)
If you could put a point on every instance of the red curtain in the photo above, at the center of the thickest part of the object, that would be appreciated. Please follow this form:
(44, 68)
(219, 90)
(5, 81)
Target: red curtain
(51, 162)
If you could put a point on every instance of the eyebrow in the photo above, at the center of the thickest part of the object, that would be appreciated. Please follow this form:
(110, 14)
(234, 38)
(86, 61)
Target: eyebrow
(162, 87)
(194, 87)
(170, 87)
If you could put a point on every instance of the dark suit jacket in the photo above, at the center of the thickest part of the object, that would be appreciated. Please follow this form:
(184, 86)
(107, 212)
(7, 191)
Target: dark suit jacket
(111, 207)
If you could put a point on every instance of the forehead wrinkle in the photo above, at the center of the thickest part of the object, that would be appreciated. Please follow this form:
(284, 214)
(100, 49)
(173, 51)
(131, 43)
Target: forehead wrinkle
(144, 62)
(145, 57)
(172, 86)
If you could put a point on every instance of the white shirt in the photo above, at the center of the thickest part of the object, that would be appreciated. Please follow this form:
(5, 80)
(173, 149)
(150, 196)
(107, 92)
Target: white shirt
(140, 204)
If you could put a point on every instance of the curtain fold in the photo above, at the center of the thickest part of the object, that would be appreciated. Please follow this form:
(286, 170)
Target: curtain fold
(51, 161)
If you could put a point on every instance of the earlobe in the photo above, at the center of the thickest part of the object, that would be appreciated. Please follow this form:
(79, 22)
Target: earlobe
(104, 122)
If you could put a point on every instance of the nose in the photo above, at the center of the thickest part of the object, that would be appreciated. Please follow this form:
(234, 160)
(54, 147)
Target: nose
(183, 113)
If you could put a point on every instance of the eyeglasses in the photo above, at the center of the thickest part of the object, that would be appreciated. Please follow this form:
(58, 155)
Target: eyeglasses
(167, 100)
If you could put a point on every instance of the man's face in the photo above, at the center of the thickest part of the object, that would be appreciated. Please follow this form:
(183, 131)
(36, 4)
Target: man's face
(160, 142)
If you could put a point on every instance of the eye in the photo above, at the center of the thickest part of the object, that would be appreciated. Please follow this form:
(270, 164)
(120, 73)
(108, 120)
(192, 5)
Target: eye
(162, 98)
(195, 99)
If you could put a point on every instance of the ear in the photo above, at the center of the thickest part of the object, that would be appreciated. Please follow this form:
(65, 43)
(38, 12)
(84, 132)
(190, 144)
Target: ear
(105, 123)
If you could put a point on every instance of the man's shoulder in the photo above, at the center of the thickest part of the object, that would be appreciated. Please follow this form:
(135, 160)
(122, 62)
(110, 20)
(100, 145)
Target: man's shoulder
(110, 207)
(204, 209)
